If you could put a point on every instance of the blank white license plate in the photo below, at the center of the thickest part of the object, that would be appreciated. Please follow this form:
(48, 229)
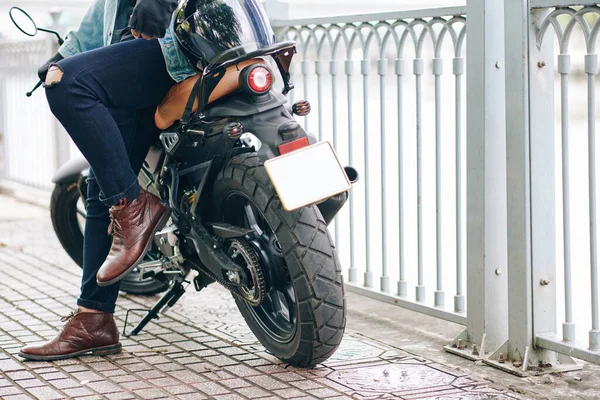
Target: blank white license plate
(307, 176)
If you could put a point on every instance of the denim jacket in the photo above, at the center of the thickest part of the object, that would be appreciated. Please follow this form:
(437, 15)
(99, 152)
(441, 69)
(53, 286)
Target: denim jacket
(97, 29)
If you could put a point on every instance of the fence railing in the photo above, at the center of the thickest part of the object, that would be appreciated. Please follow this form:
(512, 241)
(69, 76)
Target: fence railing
(382, 96)
(33, 145)
(574, 61)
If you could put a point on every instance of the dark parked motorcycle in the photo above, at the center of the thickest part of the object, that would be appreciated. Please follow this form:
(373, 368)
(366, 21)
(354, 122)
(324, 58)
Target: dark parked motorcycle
(251, 195)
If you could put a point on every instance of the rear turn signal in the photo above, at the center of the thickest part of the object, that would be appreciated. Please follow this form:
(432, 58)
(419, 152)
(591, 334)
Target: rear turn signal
(256, 79)
(292, 146)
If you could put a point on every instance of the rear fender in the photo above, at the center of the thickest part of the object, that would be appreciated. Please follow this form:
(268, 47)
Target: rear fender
(71, 170)
(267, 117)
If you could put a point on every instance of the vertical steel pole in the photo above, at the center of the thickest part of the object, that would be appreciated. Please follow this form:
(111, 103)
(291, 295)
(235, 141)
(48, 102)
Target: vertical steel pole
(333, 71)
(564, 68)
(365, 70)
(487, 301)
(305, 72)
(418, 69)
(438, 70)
(519, 176)
(349, 70)
(543, 158)
(320, 70)
(402, 284)
(458, 67)
(531, 181)
(382, 68)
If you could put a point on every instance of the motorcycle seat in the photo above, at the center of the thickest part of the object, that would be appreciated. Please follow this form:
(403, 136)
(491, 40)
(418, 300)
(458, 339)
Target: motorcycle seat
(172, 107)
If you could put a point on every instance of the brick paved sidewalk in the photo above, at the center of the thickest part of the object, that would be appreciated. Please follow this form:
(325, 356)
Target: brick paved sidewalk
(200, 349)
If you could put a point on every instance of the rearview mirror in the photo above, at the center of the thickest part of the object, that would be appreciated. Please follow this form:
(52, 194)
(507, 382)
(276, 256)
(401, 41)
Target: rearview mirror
(23, 21)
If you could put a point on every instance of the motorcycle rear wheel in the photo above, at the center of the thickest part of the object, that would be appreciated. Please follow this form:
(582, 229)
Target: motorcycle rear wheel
(66, 211)
(312, 327)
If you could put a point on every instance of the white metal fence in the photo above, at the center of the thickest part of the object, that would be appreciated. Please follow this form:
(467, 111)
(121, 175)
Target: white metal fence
(566, 41)
(474, 196)
(381, 95)
(33, 144)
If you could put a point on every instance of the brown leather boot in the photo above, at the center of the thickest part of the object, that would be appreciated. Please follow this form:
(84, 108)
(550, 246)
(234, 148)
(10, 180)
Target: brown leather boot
(85, 333)
(133, 227)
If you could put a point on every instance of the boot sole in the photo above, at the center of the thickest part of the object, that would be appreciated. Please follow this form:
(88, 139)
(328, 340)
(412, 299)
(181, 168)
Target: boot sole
(163, 220)
(97, 351)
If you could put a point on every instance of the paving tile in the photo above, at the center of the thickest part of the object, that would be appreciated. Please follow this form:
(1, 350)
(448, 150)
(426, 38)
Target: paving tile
(134, 385)
(20, 375)
(151, 374)
(29, 383)
(87, 376)
(267, 382)
(180, 389)
(252, 392)
(241, 370)
(192, 396)
(18, 397)
(151, 393)
(119, 396)
(104, 387)
(45, 393)
(230, 396)
(6, 391)
(53, 375)
(78, 392)
(210, 388)
(65, 383)
(11, 365)
(306, 384)
(235, 383)
(187, 376)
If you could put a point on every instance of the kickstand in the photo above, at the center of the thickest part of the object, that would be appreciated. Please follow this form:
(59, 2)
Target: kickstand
(167, 300)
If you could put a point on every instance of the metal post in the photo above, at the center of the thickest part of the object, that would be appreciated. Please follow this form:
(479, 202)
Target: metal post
(530, 190)
(402, 284)
(519, 173)
(438, 70)
(543, 191)
(382, 70)
(418, 69)
(349, 70)
(487, 289)
(365, 70)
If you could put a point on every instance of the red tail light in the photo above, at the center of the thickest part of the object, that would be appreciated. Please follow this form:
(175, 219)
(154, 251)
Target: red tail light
(256, 79)
(293, 145)
(260, 79)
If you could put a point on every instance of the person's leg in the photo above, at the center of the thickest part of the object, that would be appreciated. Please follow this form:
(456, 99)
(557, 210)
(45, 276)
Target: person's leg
(130, 75)
(92, 329)
(139, 132)
(81, 90)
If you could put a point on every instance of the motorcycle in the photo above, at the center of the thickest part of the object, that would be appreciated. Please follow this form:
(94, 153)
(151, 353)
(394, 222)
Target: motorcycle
(251, 195)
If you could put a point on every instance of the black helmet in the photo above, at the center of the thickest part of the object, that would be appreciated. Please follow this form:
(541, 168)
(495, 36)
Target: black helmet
(207, 28)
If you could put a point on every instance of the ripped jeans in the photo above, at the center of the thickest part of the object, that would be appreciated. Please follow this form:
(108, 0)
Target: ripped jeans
(106, 100)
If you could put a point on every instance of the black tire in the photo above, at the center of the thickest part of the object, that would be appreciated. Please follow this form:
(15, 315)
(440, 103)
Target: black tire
(63, 212)
(310, 259)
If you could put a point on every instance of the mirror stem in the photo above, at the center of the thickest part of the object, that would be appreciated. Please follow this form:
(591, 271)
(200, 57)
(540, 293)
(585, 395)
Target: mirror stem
(60, 40)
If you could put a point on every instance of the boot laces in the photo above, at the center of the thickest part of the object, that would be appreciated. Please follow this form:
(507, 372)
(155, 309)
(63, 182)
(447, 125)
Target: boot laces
(115, 228)
(70, 316)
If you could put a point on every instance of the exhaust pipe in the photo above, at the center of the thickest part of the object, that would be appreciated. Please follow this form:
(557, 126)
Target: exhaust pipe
(332, 206)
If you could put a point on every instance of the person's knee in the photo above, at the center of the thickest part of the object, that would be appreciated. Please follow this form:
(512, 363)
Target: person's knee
(58, 92)
(54, 76)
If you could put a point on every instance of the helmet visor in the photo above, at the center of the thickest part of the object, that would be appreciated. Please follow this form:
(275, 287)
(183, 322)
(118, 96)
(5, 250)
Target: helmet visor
(211, 30)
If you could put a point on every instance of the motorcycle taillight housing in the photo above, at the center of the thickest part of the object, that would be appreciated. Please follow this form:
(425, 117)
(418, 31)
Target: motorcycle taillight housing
(256, 79)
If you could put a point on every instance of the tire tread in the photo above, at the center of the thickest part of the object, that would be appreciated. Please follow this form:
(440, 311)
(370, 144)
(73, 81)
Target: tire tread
(319, 295)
